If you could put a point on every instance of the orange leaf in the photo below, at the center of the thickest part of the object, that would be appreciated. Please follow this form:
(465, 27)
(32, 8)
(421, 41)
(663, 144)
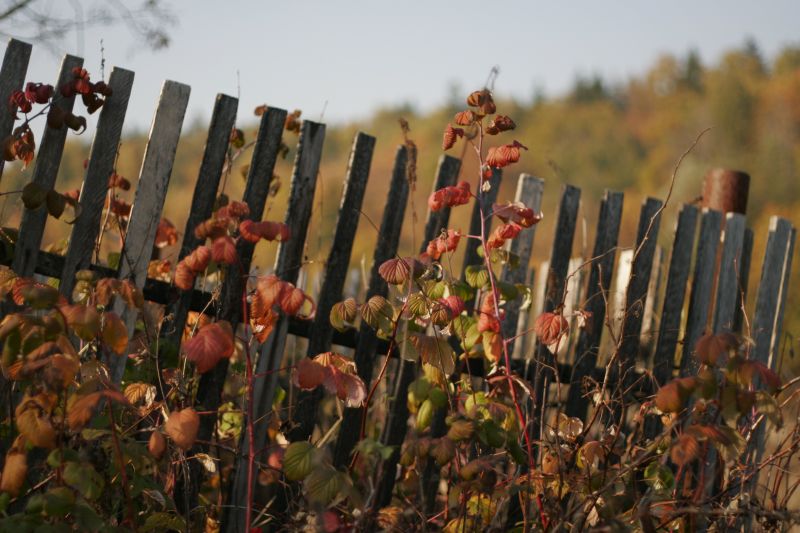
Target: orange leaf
(14, 472)
(672, 396)
(549, 327)
(395, 271)
(710, 347)
(157, 444)
(184, 277)
(182, 426)
(212, 343)
(85, 321)
(114, 333)
(684, 450)
(308, 374)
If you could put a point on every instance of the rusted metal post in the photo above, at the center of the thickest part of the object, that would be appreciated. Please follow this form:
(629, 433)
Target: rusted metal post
(726, 190)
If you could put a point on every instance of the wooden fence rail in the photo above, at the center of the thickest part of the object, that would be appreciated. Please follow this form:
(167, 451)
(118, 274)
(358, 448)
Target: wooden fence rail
(720, 251)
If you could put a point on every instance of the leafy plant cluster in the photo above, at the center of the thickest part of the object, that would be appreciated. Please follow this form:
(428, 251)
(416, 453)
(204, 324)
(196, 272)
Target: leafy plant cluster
(86, 453)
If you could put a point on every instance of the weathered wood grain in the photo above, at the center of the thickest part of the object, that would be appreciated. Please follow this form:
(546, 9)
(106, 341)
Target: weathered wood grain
(600, 275)
(12, 77)
(366, 348)
(728, 286)
(148, 203)
(744, 277)
(702, 285)
(95, 184)
(203, 198)
(394, 431)
(48, 158)
(529, 191)
(336, 268)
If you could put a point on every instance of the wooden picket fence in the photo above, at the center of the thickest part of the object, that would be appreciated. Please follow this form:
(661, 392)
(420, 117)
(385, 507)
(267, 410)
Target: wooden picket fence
(716, 278)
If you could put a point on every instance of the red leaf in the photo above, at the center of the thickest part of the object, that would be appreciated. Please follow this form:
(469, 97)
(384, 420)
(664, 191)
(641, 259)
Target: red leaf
(309, 374)
(198, 260)
(502, 156)
(517, 213)
(684, 450)
(166, 234)
(549, 327)
(449, 196)
(223, 250)
(501, 234)
(450, 136)
(270, 231)
(447, 242)
(465, 118)
(672, 396)
(184, 277)
(347, 387)
(212, 343)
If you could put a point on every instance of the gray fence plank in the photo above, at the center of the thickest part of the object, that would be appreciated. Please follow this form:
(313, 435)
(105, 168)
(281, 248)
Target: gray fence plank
(336, 268)
(148, 203)
(48, 158)
(674, 296)
(744, 278)
(12, 77)
(538, 370)
(204, 196)
(209, 391)
(287, 267)
(702, 285)
(394, 432)
(728, 286)
(600, 276)
(95, 184)
(529, 192)
(366, 349)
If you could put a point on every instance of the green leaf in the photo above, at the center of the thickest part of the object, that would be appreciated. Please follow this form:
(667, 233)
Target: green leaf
(417, 304)
(298, 461)
(84, 479)
(435, 290)
(58, 501)
(163, 522)
(477, 276)
(87, 519)
(425, 415)
(508, 291)
(59, 456)
(323, 484)
(659, 476)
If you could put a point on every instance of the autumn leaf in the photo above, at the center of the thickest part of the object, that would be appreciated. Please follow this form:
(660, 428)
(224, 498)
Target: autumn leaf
(212, 343)
(223, 250)
(549, 327)
(516, 212)
(182, 426)
(395, 271)
(84, 321)
(114, 333)
(33, 422)
(672, 396)
(271, 231)
(308, 374)
(684, 450)
(710, 347)
(166, 234)
(344, 311)
(435, 351)
(157, 444)
(14, 471)
(449, 196)
(450, 136)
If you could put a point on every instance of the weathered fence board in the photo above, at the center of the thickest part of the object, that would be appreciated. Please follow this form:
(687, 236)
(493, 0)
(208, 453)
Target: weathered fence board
(148, 203)
(728, 286)
(674, 297)
(566, 221)
(394, 431)
(12, 76)
(366, 349)
(600, 275)
(702, 285)
(95, 184)
(204, 196)
(529, 191)
(305, 409)
(51, 147)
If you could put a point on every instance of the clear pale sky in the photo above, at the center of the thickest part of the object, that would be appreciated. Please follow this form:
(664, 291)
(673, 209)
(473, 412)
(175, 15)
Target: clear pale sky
(357, 56)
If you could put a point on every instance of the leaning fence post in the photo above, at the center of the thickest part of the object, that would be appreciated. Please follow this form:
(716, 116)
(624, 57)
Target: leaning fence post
(148, 203)
(600, 275)
(394, 431)
(95, 184)
(365, 351)
(12, 76)
(31, 228)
